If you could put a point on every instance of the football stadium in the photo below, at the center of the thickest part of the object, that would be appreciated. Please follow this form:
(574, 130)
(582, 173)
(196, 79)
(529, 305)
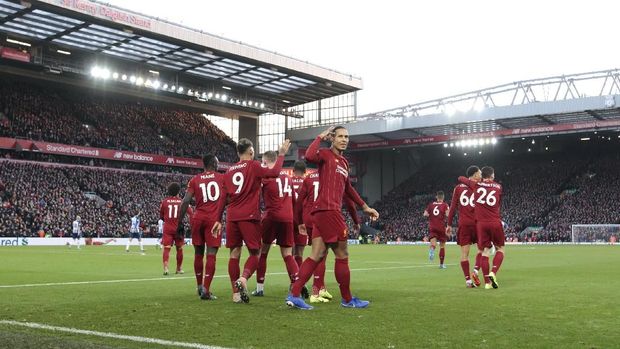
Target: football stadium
(164, 187)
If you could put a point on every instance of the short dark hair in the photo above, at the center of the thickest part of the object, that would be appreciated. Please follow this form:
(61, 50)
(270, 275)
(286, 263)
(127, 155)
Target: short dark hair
(440, 193)
(270, 156)
(299, 166)
(209, 162)
(173, 189)
(487, 172)
(471, 170)
(243, 145)
(336, 128)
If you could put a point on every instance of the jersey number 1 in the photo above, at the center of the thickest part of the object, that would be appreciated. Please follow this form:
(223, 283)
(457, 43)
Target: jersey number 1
(173, 213)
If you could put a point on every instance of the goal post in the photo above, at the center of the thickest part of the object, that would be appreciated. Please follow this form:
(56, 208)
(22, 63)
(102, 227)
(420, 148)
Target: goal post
(595, 233)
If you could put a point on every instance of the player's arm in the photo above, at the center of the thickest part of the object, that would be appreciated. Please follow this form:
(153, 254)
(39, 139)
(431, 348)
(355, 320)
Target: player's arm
(312, 153)
(451, 212)
(468, 182)
(350, 206)
(353, 195)
(299, 207)
(266, 172)
(221, 205)
(189, 194)
(426, 214)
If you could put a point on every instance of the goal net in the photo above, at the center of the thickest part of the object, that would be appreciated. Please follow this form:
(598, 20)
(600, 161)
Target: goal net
(595, 233)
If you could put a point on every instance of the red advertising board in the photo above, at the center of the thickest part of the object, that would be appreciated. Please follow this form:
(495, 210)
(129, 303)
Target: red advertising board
(14, 54)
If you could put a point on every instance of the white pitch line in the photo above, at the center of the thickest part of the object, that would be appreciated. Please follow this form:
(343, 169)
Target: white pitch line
(71, 283)
(108, 335)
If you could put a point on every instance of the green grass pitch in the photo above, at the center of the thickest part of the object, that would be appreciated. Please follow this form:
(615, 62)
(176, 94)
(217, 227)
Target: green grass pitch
(549, 297)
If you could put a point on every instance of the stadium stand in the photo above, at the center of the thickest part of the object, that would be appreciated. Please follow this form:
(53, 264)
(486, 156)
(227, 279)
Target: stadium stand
(50, 114)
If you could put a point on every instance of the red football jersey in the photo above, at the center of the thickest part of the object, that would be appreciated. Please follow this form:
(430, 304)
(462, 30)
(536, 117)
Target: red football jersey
(333, 178)
(437, 215)
(278, 198)
(169, 213)
(210, 196)
(242, 182)
(463, 199)
(296, 183)
(488, 199)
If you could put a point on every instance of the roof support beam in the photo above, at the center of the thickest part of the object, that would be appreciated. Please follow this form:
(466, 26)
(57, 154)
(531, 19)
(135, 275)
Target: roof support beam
(593, 114)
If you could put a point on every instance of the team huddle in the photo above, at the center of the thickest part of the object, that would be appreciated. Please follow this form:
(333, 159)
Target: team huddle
(298, 211)
(477, 198)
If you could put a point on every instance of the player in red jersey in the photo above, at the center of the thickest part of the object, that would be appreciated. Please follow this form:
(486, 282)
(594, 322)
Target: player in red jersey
(277, 223)
(243, 181)
(308, 194)
(169, 213)
(329, 225)
(437, 212)
(488, 200)
(207, 189)
(463, 201)
(301, 240)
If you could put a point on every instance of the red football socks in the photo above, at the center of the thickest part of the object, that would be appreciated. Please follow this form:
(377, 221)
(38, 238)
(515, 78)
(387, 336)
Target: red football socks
(179, 258)
(497, 261)
(465, 267)
(305, 272)
(262, 269)
(442, 254)
(198, 268)
(166, 256)
(478, 261)
(291, 268)
(233, 271)
(343, 277)
(209, 271)
(485, 269)
(250, 266)
(319, 277)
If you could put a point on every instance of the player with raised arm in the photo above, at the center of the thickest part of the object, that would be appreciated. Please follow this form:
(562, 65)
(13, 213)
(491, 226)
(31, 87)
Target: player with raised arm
(330, 229)
(308, 194)
(169, 212)
(207, 188)
(463, 201)
(277, 223)
(76, 233)
(437, 212)
(243, 182)
(488, 200)
(135, 232)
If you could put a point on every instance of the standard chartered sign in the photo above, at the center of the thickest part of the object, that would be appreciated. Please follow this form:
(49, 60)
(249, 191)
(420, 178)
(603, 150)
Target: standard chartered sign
(13, 242)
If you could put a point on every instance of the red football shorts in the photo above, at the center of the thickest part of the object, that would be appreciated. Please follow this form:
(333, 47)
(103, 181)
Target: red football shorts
(300, 240)
(282, 232)
(466, 235)
(490, 233)
(170, 237)
(201, 234)
(239, 232)
(439, 234)
(330, 226)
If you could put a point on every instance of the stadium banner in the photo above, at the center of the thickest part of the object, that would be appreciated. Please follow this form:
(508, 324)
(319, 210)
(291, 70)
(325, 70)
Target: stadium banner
(104, 11)
(498, 133)
(14, 54)
(102, 153)
(34, 241)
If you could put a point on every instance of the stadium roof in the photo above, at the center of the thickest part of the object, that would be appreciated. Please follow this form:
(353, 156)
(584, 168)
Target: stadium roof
(106, 30)
(560, 104)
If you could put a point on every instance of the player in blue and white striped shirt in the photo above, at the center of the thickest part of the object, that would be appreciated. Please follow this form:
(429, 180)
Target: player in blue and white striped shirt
(135, 232)
(76, 233)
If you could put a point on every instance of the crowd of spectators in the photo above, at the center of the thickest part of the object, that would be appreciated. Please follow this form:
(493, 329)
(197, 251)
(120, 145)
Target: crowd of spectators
(88, 118)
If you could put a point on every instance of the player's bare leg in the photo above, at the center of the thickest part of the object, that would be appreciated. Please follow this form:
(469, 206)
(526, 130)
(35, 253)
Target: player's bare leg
(234, 271)
(261, 271)
(199, 253)
(305, 272)
(465, 266)
(442, 254)
(250, 266)
(497, 262)
(431, 250)
(166, 258)
(209, 272)
(343, 276)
